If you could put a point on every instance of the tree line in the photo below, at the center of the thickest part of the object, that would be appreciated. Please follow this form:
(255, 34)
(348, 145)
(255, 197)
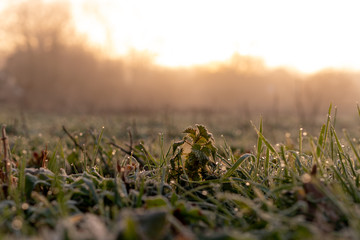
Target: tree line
(52, 68)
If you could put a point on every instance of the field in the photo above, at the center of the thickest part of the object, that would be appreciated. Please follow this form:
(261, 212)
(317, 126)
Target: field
(171, 175)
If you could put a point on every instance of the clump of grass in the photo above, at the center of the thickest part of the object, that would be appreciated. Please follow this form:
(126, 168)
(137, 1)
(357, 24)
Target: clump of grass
(89, 186)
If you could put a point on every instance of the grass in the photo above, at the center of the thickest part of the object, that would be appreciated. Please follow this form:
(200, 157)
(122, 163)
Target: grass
(73, 183)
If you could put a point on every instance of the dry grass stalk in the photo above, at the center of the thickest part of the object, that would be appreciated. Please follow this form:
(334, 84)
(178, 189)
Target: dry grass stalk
(6, 166)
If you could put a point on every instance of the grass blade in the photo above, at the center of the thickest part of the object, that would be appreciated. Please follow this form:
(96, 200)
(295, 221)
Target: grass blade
(231, 170)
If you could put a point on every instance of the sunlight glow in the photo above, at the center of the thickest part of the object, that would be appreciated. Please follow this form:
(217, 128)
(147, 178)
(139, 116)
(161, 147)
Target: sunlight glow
(306, 35)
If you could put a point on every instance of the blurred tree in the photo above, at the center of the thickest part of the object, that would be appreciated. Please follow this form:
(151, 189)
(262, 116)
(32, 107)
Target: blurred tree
(247, 64)
(52, 64)
(56, 69)
(38, 33)
(35, 25)
(327, 86)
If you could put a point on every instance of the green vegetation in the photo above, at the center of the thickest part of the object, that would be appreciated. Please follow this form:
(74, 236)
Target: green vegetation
(95, 185)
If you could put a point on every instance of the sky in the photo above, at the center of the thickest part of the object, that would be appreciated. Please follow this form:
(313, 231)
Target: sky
(306, 35)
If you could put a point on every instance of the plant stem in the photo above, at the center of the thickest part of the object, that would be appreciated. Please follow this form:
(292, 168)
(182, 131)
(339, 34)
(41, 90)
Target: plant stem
(6, 161)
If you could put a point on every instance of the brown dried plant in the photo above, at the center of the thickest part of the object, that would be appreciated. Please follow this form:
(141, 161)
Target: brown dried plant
(6, 166)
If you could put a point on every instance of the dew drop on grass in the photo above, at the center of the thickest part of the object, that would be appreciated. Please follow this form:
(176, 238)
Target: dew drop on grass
(17, 223)
(247, 184)
(306, 178)
(24, 206)
(204, 193)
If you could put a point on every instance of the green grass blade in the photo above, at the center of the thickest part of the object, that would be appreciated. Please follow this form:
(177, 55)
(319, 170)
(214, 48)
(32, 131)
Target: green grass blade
(259, 146)
(338, 144)
(328, 123)
(97, 146)
(352, 145)
(300, 141)
(231, 170)
(266, 142)
(320, 141)
(266, 163)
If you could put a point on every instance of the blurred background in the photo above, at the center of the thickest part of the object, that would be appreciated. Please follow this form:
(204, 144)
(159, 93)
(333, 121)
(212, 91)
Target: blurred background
(275, 58)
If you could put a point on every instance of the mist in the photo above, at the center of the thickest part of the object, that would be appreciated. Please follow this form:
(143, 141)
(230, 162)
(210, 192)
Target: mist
(48, 66)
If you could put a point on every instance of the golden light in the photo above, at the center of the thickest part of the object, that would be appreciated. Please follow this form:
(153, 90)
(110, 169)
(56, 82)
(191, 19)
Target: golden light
(306, 35)
(237, 42)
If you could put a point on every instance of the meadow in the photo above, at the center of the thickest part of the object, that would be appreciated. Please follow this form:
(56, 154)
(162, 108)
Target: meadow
(120, 147)
(179, 175)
